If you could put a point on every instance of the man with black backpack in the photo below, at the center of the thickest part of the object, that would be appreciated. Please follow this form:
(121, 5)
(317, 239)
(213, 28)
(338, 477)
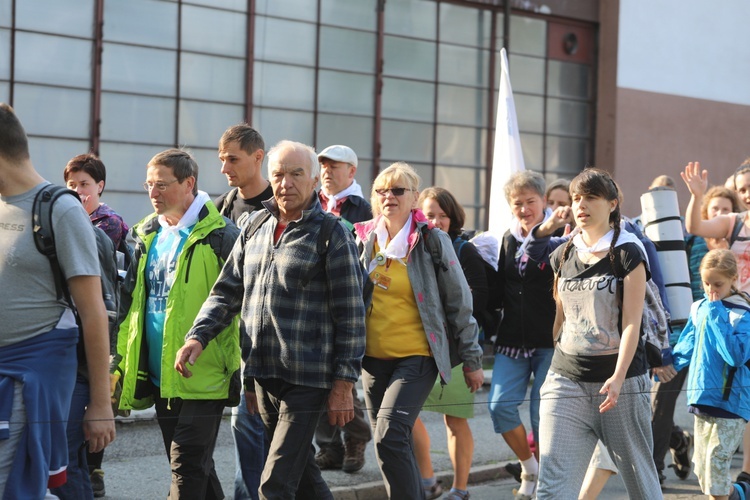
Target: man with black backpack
(180, 250)
(304, 313)
(38, 341)
(241, 152)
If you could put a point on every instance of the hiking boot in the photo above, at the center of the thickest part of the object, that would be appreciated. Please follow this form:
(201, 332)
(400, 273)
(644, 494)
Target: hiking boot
(514, 470)
(329, 459)
(354, 455)
(681, 456)
(97, 483)
(434, 491)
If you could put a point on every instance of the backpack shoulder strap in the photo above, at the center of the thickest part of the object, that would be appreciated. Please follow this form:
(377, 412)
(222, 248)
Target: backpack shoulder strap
(214, 239)
(127, 251)
(739, 221)
(260, 216)
(458, 244)
(324, 239)
(44, 236)
(434, 248)
(226, 207)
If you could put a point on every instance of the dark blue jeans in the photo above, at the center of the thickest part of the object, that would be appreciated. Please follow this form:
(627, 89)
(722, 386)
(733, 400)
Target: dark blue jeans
(78, 485)
(290, 414)
(250, 451)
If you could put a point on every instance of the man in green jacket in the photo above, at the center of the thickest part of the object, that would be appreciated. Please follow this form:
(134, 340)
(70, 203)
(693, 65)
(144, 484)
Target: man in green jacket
(180, 250)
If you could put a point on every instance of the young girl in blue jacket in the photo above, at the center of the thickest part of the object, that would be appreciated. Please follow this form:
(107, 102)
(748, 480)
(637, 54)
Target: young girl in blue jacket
(716, 343)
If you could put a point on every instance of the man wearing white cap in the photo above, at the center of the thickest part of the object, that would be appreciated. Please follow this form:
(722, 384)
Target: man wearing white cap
(341, 195)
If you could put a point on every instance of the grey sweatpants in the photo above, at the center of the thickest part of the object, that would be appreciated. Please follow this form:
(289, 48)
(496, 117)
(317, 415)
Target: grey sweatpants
(571, 424)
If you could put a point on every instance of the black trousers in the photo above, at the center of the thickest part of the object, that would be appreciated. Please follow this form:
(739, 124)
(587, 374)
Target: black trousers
(358, 429)
(666, 433)
(189, 429)
(290, 414)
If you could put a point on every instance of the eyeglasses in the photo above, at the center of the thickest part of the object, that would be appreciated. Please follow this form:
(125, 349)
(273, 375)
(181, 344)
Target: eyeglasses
(161, 186)
(394, 191)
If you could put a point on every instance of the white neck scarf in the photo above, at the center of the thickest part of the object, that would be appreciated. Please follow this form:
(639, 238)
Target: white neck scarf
(396, 249)
(605, 241)
(187, 220)
(602, 245)
(333, 199)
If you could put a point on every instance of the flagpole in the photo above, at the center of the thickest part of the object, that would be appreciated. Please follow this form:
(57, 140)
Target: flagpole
(507, 157)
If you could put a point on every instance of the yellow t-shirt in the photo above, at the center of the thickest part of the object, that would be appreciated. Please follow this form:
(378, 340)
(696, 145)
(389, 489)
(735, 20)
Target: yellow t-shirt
(394, 327)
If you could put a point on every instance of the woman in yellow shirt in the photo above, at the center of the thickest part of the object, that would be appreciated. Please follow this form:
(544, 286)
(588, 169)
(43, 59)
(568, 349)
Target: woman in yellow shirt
(417, 301)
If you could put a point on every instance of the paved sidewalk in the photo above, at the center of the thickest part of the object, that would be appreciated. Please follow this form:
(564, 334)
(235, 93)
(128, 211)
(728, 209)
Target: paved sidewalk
(135, 465)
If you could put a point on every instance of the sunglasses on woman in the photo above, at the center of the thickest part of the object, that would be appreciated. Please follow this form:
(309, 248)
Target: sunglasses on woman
(395, 191)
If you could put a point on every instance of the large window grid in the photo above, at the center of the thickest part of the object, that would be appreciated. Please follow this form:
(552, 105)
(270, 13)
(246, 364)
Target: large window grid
(179, 72)
(48, 54)
(554, 96)
(463, 75)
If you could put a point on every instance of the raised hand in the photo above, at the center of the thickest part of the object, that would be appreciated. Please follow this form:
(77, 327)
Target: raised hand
(695, 178)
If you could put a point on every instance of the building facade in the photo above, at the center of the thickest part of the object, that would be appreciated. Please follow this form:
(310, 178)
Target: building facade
(411, 80)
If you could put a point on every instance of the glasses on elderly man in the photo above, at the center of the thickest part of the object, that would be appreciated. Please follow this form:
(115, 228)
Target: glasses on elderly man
(161, 186)
(395, 191)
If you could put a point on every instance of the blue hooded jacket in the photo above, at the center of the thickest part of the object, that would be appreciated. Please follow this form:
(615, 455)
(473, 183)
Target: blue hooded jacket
(715, 343)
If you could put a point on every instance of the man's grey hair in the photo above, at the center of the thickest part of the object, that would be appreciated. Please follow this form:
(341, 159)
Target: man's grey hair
(295, 146)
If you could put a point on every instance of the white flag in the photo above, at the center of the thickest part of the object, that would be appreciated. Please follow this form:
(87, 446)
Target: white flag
(507, 158)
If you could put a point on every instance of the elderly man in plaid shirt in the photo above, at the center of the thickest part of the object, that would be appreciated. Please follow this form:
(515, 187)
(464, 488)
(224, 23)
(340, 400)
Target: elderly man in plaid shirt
(307, 330)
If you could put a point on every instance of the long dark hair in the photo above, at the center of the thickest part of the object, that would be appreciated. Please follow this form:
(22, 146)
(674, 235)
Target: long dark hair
(595, 182)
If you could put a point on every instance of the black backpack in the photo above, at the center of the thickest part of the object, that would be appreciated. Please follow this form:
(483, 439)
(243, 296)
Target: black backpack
(329, 222)
(44, 239)
(488, 319)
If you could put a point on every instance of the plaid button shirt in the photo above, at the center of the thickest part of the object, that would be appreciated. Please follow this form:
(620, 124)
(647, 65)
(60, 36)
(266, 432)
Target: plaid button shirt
(303, 335)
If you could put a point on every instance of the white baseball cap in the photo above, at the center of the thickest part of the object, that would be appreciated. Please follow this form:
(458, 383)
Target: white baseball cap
(340, 153)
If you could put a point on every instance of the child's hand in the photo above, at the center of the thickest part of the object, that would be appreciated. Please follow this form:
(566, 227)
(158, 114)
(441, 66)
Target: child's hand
(713, 296)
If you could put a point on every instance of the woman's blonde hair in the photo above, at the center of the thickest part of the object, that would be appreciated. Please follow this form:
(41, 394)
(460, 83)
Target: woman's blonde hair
(399, 173)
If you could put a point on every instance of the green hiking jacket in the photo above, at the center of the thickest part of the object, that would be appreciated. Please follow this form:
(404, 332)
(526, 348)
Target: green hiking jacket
(216, 372)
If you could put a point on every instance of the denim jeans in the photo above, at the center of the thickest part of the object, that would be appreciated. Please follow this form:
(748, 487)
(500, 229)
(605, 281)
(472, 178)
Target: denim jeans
(78, 485)
(510, 380)
(250, 451)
